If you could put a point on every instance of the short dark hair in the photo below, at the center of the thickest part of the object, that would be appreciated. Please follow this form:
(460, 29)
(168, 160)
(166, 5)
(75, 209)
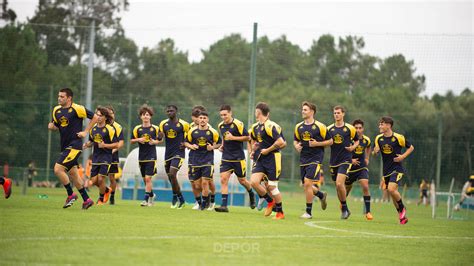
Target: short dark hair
(172, 106)
(105, 112)
(339, 107)
(358, 122)
(68, 92)
(195, 113)
(204, 114)
(200, 108)
(225, 107)
(146, 109)
(386, 120)
(263, 107)
(311, 106)
(111, 108)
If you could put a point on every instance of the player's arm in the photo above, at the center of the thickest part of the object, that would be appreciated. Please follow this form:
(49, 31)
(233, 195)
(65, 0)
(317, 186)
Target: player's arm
(188, 142)
(87, 145)
(297, 145)
(353, 146)
(324, 143)
(109, 146)
(278, 144)
(93, 120)
(401, 157)
(367, 154)
(52, 126)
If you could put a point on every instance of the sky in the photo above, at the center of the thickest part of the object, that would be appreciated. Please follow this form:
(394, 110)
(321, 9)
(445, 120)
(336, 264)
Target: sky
(436, 35)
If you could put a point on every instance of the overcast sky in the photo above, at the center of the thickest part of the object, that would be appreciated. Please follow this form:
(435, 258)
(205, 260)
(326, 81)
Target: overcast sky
(437, 36)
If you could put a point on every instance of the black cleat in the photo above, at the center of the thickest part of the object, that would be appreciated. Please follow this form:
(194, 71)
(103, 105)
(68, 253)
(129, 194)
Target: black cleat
(252, 201)
(324, 202)
(221, 209)
(345, 214)
(112, 201)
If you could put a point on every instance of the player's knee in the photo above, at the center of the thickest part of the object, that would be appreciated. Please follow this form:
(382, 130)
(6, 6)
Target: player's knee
(340, 183)
(58, 169)
(392, 189)
(224, 180)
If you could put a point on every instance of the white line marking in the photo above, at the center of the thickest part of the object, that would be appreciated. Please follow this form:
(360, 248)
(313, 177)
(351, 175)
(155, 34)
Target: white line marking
(377, 235)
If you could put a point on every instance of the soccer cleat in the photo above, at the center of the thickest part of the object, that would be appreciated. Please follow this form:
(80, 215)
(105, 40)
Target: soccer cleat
(345, 214)
(279, 216)
(144, 203)
(100, 202)
(70, 200)
(324, 202)
(7, 188)
(269, 208)
(306, 216)
(112, 201)
(87, 204)
(196, 206)
(260, 204)
(402, 214)
(181, 205)
(108, 191)
(204, 205)
(404, 221)
(222, 209)
(174, 206)
(252, 201)
(369, 216)
(211, 207)
(151, 200)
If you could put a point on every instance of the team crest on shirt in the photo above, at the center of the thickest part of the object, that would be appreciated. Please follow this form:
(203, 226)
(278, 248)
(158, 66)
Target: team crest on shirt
(338, 139)
(63, 121)
(97, 138)
(147, 137)
(387, 149)
(359, 150)
(306, 136)
(202, 141)
(171, 134)
(259, 137)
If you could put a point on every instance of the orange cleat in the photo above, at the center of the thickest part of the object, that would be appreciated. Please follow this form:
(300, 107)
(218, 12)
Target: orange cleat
(7, 187)
(99, 202)
(107, 194)
(268, 210)
(279, 216)
(369, 216)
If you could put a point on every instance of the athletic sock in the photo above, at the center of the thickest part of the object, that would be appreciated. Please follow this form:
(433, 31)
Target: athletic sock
(151, 194)
(213, 198)
(279, 207)
(101, 197)
(319, 194)
(267, 197)
(68, 189)
(112, 194)
(309, 207)
(83, 193)
(367, 203)
(198, 200)
(180, 197)
(175, 198)
(400, 205)
(2, 180)
(224, 200)
(147, 196)
(205, 200)
(344, 205)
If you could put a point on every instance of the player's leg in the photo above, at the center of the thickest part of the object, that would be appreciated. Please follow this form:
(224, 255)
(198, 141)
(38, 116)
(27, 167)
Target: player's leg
(240, 172)
(113, 187)
(273, 170)
(7, 186)
(101, 184)
(396, 197)
(308, 190)
(225, 176)
(255, 180)
(205, 192)
(322, 196)
(364, 184)
(348, 189)
(212, 191)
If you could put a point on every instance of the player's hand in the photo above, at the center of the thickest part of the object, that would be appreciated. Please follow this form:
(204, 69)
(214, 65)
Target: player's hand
(52, 127)
(152, 142)
(182, 146)
(141, 140)
(85, 146)
(251, 155)
(194, 147)
(101, 145)
(221, 148)
(82, 134)
(209, 147)
(228, 136)
(367, 162)
(355, 162)
(376, 150)
(299, 147)
(114, 150)
(313, 143)
(399, 158)
(264, 152)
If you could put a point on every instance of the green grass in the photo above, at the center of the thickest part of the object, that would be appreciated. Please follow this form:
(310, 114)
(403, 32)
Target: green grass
(39, 231)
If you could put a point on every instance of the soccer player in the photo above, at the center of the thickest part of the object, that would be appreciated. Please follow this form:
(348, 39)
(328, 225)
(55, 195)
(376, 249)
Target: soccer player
(174, 130)
(391, 145)
(359, 169)
(344, 142)
(267, 159)
(147, 136)
(310, 138)
(114, 167)
(467, 192)
(7, 186)
(102, 137)
(424, 186)
(68, 117)
(234, 135)
(203, 139)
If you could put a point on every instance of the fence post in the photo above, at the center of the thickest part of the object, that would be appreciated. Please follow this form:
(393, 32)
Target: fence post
(438, 157)
(48, 153)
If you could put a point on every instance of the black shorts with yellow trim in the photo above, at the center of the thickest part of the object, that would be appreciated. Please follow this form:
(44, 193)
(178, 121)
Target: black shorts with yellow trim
(424, 193)
(68, 158)
(174, 162)
(310, 171)
(236, 167)
(202, 171)
(114, 168)
(359, 174)
(393, 177)
(100, 169)
(342, 168)
(269, 165)
(147, 168)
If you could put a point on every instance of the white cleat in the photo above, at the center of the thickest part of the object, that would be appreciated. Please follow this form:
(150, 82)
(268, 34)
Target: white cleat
(211, 206)
(306, 216)
(260, 204)
(196, 206)
(144, 203)
(151, 200)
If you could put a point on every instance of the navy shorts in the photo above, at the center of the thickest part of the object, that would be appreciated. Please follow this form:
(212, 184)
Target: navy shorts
(269, 165)
(357, 175)
(198, 172)
(68, 158)
(114, 168)
(310, 171)
(147, 168)
(342, 168)
(100, 169)
(173, 162)
(238, 168)
(393, 177)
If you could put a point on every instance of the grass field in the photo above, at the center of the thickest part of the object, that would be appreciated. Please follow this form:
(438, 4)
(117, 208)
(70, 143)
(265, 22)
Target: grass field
(39, 231)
